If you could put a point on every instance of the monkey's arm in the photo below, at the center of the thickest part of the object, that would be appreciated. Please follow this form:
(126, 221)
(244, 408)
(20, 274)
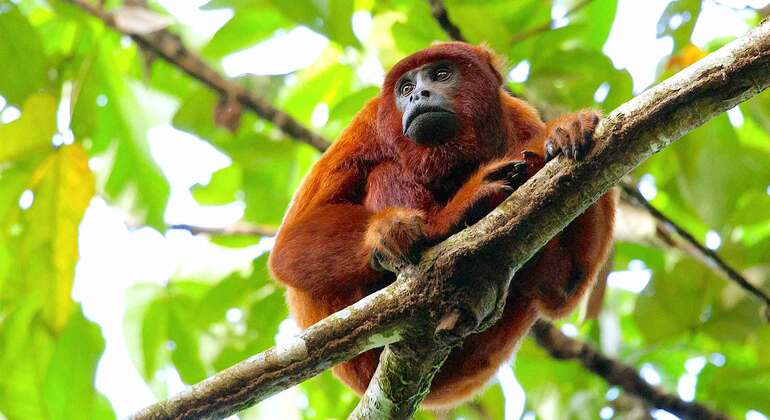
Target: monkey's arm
(332, 236)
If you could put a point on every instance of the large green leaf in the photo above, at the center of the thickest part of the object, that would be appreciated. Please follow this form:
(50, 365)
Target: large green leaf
(69, 384)
(22, 61)
(678, 21)
(596, 20)
(110, 114)
(63, 186)
(246, 28)
(674, 302)
(27, 348)
(32, 132)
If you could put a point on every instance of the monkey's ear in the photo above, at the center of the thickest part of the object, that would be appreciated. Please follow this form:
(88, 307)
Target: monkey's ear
(496, 62)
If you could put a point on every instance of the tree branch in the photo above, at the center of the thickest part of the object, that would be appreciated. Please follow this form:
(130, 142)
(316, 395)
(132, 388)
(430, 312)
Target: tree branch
(372, 322)
(170, 48)
(237, 229)
(616, 373)
(438, 9)
(691, 246)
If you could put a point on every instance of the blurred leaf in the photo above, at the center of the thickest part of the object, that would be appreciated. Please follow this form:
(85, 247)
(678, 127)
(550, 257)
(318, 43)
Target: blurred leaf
(23, 369)
(222, 189)
(63, 186)
(735, 389)
(22, 61)
(674, 302)
(69, 385)
(329, 17)
(327, 81)
(109, 113)
(185, 354)
(246, 28)
(595, 21)
(32, 132)
(154, 335)
(678, 21)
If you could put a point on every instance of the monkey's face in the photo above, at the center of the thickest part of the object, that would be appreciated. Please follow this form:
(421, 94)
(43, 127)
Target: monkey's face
(425, 97)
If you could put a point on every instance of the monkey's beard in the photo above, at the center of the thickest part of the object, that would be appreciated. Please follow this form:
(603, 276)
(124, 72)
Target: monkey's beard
(443, 167)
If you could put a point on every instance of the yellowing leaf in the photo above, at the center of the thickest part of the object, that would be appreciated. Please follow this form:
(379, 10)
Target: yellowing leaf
(63, 186)
(32, 131)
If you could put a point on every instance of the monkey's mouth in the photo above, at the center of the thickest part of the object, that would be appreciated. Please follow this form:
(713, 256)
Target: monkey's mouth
(430, 125)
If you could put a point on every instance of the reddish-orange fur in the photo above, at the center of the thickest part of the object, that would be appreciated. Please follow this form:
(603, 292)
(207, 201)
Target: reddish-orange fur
(376, 189)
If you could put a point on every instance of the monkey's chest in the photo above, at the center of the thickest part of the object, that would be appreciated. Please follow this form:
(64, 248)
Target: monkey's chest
(388, 185)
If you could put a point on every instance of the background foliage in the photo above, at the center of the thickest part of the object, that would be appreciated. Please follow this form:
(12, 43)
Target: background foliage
(77, 101)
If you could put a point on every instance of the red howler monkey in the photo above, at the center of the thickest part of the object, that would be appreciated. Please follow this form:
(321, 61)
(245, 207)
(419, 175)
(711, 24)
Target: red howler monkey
(441, 146)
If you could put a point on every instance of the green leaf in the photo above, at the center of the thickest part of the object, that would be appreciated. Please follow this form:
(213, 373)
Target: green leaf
(185, 353)
(684, 11)
(674, 302)
(154, 335)
(270, 179)
(246, 28)
(69, 385)
(22, 61)
(24, 368)
(63, 186)
(121, 119)
(329, 17)
(596, 20)
(735, 389)
(32, 132)
(222, 189)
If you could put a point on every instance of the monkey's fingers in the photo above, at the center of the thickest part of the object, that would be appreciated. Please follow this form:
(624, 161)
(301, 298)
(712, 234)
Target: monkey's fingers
(506, 170)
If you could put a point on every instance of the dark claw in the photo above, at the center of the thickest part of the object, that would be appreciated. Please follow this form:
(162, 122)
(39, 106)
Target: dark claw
(416, 252)
(550, 151)
(588, 139)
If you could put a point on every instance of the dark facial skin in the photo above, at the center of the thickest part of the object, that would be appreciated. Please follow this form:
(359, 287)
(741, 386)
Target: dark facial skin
(424, 96)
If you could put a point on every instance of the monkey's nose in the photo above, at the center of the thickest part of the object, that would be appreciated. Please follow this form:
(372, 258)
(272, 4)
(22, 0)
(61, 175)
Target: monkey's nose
(419, 95)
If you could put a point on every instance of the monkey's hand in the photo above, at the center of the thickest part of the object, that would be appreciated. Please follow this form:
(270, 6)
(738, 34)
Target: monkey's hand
(396, 236)
(571, 135)
(501, 178)
(496, 181)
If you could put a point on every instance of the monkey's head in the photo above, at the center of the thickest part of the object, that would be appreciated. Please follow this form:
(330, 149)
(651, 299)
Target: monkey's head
(438, 94)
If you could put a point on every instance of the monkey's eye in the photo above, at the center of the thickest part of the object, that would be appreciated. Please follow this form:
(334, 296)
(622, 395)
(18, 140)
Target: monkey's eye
(441, 75)
(406, 89)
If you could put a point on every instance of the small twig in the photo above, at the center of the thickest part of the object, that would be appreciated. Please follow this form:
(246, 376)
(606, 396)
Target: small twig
(438, 9)
(560, 346)
(693, 247)
(237, 229)
(170, 48)
(537, 30)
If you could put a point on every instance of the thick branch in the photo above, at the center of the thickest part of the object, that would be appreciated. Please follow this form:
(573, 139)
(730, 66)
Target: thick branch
(170, 47)
(616, 373)
(459, 286)
(692, 247)
(370, 323)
